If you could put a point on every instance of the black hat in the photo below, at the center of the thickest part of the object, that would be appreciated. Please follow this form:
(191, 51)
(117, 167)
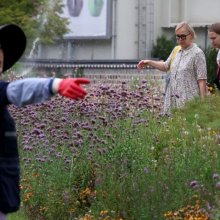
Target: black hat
(13, 44)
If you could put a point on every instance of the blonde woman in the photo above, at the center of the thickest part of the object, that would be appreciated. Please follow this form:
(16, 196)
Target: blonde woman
(188, 72)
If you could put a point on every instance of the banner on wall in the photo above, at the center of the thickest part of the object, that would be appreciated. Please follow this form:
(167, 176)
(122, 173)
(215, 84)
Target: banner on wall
(87, 18)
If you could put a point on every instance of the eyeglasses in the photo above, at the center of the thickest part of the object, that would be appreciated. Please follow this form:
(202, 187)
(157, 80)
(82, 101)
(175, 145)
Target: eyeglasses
(182, 36)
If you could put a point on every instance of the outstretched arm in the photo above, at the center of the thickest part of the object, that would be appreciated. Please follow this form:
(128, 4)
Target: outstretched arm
(160, 65)
(37, 90)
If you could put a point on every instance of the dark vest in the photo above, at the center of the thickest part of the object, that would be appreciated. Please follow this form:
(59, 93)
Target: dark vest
(9, 160)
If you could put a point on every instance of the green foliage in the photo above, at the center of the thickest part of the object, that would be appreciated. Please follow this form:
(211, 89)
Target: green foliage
(207, 114)
(52, 25)
(163, 47)
(211, 55)
(39, 19)
(78, 72)
(172, 150)
(21, 13)
(139, 166)
(17, 216)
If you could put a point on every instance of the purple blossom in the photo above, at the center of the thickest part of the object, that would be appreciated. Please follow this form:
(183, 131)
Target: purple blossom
(194, 184)
(217, 185)
(146, 170)
(215, 176)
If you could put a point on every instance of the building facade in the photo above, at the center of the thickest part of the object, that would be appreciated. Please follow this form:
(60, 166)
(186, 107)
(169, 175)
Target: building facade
(133, 27)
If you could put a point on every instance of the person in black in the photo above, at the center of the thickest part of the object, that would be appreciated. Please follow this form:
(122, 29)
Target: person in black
(214, 36)
(20, 93)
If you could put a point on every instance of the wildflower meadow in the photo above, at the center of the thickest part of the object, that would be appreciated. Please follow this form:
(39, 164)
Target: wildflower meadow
(114, 156)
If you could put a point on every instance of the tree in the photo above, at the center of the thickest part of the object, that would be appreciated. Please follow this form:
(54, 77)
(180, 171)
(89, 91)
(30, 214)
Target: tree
(52, 25)
(40, 19)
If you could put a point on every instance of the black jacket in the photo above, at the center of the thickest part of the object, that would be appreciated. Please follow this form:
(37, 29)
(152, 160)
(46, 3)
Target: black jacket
(9, 159)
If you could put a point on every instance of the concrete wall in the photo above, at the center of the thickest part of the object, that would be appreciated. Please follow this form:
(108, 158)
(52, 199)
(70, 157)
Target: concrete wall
(126, 30)
(135, 26)
(197, 12)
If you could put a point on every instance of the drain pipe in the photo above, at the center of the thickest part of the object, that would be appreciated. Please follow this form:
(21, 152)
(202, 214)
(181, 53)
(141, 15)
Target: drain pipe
(138, 30)
(114, 22)
(69, 49)
(206, 37)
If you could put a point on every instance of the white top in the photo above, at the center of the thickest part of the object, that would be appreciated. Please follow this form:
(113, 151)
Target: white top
(218, 57)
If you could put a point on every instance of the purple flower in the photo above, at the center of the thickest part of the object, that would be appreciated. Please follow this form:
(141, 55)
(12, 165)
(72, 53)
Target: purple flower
(146, 170)
(215, 176)
(217, 185)
(194, 184)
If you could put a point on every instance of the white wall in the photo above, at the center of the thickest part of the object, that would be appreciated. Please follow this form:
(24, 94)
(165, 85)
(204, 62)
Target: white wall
(197, 12)
(130, 40)
(126, 31)
(203, 12)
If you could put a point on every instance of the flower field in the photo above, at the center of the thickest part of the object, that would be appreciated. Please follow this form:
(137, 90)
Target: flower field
(114, 156)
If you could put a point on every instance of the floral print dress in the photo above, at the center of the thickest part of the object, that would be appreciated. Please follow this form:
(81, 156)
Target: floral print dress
(188, 66)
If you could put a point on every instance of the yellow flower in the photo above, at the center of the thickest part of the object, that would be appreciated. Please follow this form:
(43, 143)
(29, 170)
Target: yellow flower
(36, 174)
(104, 212)
(72, 210)
(28, 196)
(87, 217)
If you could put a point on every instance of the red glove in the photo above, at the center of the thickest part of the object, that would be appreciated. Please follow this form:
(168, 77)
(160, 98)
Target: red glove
(71, 88)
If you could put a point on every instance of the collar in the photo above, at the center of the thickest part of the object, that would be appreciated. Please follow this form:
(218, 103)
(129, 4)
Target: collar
(189, 47)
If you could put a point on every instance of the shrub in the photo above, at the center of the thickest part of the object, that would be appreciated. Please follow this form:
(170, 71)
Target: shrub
(163, 47)
(211, 54)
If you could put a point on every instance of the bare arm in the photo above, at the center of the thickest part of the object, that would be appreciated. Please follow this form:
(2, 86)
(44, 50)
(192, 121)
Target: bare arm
(160, 65)
(202, 87)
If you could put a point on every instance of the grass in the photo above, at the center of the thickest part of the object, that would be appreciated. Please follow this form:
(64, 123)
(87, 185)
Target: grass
(114, 157)
(17, 216)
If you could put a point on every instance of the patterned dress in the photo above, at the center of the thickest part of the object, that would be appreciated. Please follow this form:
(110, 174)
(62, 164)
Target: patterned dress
(188, 66)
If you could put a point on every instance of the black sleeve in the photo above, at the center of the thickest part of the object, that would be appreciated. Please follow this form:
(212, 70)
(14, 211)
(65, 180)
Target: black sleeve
(3, 94)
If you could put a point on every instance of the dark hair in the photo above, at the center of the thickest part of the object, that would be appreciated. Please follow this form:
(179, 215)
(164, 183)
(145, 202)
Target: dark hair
(214, 28)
